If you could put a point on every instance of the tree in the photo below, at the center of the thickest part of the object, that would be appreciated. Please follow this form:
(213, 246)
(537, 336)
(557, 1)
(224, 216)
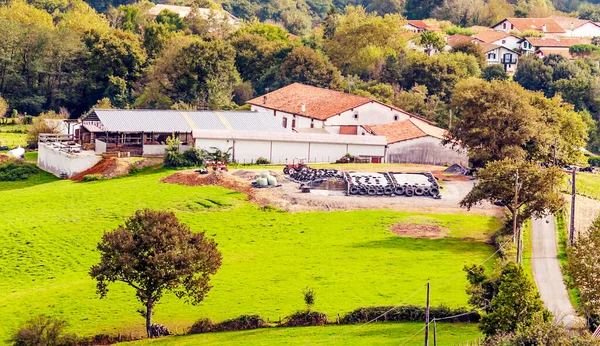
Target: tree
(3, 108)
(419, 9)
(432, 41)
(44, 330)
(154, 253)
(464, 13)
(170, 20)
(585, 50)
(533, 74)
(305, 65)
(383, 7)
(515, 303)
(309, 297)
(589, 12)
(418, 101)
(494, 72)
(471, 48)
(584, 266)
(49, 122)
(537, 194)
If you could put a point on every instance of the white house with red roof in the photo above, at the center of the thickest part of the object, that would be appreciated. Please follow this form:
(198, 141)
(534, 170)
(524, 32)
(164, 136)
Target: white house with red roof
(499, 38)
(546, 26)
(300, 106)
(418, 26)
(532, 44)
(575, 27)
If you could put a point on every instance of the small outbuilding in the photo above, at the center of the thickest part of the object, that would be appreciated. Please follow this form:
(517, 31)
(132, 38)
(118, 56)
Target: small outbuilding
(415, 141)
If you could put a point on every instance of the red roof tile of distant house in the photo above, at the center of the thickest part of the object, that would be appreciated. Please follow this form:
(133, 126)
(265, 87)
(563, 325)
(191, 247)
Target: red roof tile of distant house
(418, 24)
(557, 42)
(454, 39)
(570, 23)
(492, 36)
(404, 130)
(479, 28)
(536, 24)
(557, 51)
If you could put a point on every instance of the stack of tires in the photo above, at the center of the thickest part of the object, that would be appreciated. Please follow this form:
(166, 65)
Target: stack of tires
(314, 174)
(370, 185)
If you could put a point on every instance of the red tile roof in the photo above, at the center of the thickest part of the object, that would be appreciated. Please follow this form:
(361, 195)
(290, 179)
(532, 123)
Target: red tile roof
(558, 51)
(320, 103)
(486, 47)
(570, 23)
(454, 39)
(418, 24)
(491, 36)
(524, 24)
(557, 42)
(404, 130)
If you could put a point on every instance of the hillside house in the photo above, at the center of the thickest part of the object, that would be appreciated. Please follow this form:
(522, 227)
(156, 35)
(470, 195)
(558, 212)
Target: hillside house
(495, 54)
(205, 13)
(499, 38)
(530, 45)
(300, 106)
(575, 27)
(415, 141)
(418, 26)
(547, 26)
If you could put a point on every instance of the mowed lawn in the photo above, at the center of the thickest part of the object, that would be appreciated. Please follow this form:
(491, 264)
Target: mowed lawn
(49, 232)
(381, 334)
(12, 139)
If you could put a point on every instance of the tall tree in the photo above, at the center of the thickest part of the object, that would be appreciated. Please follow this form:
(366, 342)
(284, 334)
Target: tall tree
(155, 253)
(419, 9)
(533, 74)
(308, 66)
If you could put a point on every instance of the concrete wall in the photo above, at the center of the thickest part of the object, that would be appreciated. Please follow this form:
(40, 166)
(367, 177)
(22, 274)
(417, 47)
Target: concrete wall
(153, 150)
(100, 147)
(247, 151)
(510, 42)
(425, 150)
(59, 162)
(301, 122)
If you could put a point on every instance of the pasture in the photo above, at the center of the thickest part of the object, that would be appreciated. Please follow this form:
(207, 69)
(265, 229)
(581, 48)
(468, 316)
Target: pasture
(50, 229)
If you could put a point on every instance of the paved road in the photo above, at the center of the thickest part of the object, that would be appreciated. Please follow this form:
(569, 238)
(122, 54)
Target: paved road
(546, 270)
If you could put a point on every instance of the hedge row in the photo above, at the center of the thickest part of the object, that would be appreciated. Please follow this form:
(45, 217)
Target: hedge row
(594, 161)
(14, 170)
(408, 313)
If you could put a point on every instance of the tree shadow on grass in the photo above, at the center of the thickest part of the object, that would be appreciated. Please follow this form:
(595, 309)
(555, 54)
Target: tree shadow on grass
(420, 244)
(34, 180)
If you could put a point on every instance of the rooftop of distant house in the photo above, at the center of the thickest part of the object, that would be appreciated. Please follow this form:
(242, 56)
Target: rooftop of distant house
(570, 23)
(557, 41)
(492, 36)
(404, 130)
(422, 25)
(455, 39)
(547, 25)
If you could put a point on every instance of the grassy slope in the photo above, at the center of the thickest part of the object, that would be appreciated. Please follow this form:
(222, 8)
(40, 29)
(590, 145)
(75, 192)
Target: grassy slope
(11, 139)
(373, 334)
(49, 232)
(588, 184)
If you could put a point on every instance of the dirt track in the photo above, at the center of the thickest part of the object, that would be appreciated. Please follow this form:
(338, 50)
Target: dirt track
(288, 197)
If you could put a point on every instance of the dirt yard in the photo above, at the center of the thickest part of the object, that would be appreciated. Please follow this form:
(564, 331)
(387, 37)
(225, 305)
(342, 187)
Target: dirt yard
(288, 197)
(586, 210)
(420, 231)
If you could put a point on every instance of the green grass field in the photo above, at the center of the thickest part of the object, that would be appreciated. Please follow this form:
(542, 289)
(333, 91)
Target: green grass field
(588, 185)
(50, 229)
(10, 139)
(381, 334)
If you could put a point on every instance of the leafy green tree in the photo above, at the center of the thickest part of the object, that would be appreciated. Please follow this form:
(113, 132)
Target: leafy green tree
(432, 41)
(155, 37)
(584, 266)
(170, 20)
(44, 330)
(383, 7)
(533, 74)
(584, 50)
(494, 72)
(514, 303)
(242, 9)
(419, 9)
(269, 31)
(589, 12)
(418, 101)
(305, 65)
(155, 253)
(471, 48)
(3, 108)
(537, 194)
(464, 13)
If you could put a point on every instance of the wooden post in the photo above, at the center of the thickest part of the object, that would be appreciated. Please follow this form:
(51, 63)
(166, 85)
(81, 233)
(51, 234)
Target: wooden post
(434, 333)
(427, 318)
(572, 228)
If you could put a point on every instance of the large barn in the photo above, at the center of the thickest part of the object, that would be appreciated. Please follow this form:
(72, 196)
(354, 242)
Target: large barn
(249, 135)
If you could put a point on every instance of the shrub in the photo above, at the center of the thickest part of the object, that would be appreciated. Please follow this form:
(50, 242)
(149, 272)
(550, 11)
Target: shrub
(133, 169)
(192, 157)
(408, 313)
(92, 177)
(158, 330)
(203, 325)
(305, 319)
(309, 297)
(44, 330)
(594, 161)
(244, 322)
(173, 159)
(262, 161)
(14, 170)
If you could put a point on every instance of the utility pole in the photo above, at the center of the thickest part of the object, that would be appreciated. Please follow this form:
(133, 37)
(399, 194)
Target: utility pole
(555, 140)
(516, 231)
(450, 120)
(427, 318)
(572, 228)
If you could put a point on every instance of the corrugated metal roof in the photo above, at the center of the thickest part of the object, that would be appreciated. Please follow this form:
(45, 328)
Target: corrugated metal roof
(167, 121)
(253, 121)
(125, 120)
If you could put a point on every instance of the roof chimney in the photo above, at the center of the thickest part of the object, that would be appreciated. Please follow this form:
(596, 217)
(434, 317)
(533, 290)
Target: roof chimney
(265, 100)
(544, 27)
(303, 108)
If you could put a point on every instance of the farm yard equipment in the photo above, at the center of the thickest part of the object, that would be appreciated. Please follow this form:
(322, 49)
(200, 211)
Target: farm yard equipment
(216, 165)
(298, 165)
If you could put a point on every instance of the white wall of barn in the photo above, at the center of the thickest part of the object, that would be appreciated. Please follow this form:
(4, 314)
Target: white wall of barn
(300, 122)
(425, 150)
(586, 30)
(59, 162)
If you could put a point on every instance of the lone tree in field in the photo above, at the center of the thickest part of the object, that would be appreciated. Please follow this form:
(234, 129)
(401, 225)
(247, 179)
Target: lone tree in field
(537, 192)
(153, 253)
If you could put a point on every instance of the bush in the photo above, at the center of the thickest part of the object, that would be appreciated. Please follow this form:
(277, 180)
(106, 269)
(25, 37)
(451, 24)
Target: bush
(192, 157)
(158, 330)
(305, 319)
(594, 161)
(44, 330)
(92, 177)
(14, 170)
(173, 159)
(408, 313)
(262, 161)
(244, 322)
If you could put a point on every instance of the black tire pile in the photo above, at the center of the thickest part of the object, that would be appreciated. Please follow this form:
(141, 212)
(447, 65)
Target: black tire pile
(314, 174)
(373, 186)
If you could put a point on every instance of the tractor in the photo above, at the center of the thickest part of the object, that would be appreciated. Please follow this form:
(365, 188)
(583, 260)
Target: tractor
(216, 165)
(298, 165)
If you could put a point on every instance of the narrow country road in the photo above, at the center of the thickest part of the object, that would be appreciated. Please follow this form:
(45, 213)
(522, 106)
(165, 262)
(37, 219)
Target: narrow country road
(547, 273)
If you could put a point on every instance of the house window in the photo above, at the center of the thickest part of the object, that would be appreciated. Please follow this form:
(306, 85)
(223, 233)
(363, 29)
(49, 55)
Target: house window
(491, 56)
(312, 125)
(355, 115)
(396, 117)
(504, 25)
(285, 123)
(512, 27)
(503, 41)
(293, 123)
